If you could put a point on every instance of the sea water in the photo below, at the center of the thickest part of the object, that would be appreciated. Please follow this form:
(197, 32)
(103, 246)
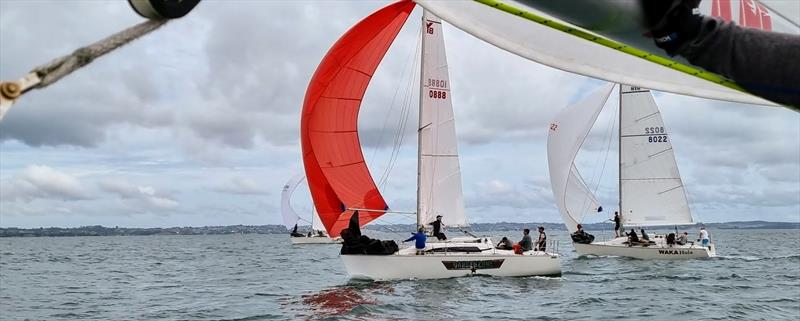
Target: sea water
(262, 277)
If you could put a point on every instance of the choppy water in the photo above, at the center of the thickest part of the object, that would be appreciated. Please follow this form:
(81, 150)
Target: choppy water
(262, 277)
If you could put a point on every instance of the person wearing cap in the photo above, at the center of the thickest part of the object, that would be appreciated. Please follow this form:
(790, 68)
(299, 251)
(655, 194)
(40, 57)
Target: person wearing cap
(437, 228)
(541, 243)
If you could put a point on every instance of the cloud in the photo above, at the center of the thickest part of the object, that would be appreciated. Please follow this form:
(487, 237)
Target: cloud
(43, 182)
(142, 194)
(241, 186)
(173, 124)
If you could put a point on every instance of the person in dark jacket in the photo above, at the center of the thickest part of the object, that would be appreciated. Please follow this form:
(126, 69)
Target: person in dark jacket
(420, 239)
(617, 224)
(505, 244)
(633, 239)
(645, 237)
(437, 228)
(541, 243)
(764, 63)
(294, 232)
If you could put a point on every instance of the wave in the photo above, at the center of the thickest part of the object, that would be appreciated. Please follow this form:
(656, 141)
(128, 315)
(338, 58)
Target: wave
(755, 258)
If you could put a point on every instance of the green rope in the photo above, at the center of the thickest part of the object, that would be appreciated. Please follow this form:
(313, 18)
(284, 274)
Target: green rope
(618, 46)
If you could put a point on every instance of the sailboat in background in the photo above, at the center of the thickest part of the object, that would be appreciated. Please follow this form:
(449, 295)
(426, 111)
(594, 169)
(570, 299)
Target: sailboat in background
(318, 234)
(651, 191)
(341, 184)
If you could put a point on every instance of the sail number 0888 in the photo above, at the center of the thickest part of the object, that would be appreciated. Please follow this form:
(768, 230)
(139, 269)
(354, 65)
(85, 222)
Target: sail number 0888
(437, 94)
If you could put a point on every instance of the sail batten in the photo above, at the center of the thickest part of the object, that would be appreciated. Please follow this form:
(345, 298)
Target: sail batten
(337, 174)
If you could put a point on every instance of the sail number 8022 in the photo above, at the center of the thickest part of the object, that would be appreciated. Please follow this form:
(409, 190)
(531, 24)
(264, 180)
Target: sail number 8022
(654, 130)
(656, 139)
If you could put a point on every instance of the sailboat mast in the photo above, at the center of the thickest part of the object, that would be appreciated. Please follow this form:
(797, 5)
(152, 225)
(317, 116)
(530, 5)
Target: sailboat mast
(419, 123)
(619, 154)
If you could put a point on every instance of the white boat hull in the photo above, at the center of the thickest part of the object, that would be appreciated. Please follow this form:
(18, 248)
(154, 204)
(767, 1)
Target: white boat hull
(407, 265)
(658, 251)
(315, 240)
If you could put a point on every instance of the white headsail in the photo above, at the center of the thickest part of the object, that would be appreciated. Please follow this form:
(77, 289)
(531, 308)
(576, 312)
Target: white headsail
(567, 132)
(290, 217)
(651, 187)
(560, 49)
(439, 186)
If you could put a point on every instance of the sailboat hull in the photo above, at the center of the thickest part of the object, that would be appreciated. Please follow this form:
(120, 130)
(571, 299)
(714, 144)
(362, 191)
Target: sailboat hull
(654, 252)
(315, 240)
(406, 265)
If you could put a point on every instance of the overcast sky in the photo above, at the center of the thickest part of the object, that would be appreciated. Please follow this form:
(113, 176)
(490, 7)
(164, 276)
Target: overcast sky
(198, 123)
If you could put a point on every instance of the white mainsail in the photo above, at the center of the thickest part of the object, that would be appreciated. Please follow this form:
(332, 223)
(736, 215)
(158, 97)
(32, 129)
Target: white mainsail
(652, 191)
(439, 186)
(290, 217)
(567, 132)
(559, 49)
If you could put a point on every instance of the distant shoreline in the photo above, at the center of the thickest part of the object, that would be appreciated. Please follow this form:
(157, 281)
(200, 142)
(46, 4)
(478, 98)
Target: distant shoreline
(97, 230)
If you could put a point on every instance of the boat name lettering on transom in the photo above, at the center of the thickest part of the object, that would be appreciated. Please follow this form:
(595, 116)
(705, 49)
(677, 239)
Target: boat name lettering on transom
(473, 265)
(675, 252)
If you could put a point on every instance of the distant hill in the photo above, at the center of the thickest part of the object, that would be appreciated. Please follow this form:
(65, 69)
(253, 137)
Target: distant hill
(97, 230)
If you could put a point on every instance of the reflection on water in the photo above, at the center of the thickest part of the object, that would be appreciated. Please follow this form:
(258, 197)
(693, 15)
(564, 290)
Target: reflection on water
(344, 299)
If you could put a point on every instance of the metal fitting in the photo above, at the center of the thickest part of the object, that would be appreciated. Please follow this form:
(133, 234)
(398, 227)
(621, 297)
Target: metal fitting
(10, 90)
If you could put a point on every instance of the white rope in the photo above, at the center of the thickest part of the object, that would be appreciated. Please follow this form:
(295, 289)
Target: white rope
(58, 68)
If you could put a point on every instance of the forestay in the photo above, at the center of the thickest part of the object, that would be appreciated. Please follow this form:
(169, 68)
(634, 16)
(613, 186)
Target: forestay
(651, 187)
(439, 191)
(567, 133)
(531, 34)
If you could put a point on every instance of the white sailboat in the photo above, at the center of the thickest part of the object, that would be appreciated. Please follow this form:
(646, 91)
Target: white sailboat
(439, 193)
(318, 234)
(651, 189)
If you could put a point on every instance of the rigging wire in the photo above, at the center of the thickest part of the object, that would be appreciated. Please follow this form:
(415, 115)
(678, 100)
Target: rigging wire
(379, 145)
(402, 121)
(608, 138)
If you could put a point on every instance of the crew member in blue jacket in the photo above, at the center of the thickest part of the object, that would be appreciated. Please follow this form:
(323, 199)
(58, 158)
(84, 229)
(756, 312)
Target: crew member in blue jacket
(420, 240)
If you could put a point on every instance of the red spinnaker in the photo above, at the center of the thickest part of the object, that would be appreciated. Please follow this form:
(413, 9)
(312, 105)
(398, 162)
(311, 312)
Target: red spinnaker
(337, 175)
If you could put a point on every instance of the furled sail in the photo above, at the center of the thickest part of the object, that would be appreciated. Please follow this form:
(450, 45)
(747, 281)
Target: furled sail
(290, 217)
(439, 190)
(529, 33)
(651, 187)
(337, 175)
(567, 132)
